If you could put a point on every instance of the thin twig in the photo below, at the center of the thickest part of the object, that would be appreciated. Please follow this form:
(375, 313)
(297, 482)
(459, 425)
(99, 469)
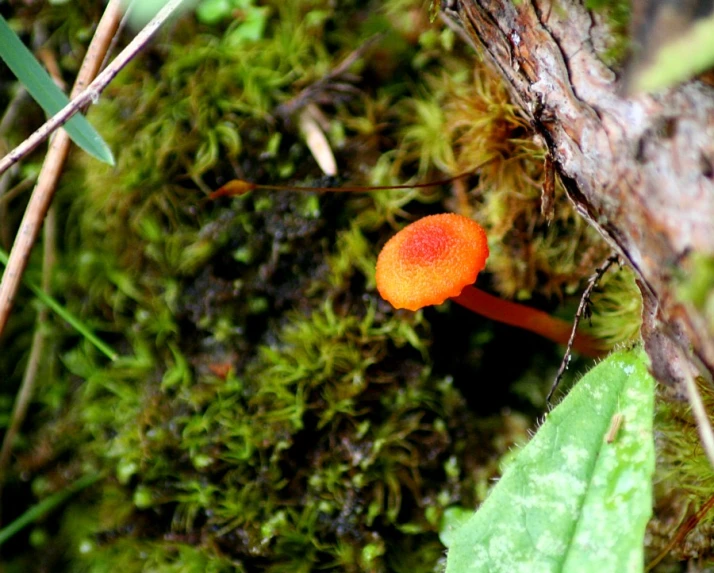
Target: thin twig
(584, 301)
(18, 189)
(37, 350)
(706, 434)
(326, 82)
(59, 147)
(24, 395)
(91, 93)
(682, 532)
(44, 190)
(12, 110)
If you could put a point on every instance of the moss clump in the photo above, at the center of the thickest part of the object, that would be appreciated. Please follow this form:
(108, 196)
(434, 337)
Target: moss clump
(684, 483)
(468, 122)
(268, 411)
(697, 286)
(616, 308)
(319, 453)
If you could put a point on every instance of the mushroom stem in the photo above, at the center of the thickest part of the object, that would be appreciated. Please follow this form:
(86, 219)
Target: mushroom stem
(525, 317)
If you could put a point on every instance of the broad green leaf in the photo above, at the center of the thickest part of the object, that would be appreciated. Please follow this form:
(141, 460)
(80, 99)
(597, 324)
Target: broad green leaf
(680, 59)
(577, 498)
(46, 93)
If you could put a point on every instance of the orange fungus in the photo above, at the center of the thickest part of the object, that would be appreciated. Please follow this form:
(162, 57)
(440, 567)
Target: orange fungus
(431, 260)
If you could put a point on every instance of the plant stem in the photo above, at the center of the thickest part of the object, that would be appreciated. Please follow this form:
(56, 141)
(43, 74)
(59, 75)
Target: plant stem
(525, 317)
(59, 147)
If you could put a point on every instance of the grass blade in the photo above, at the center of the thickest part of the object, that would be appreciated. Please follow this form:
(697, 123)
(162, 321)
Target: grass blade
(38, 510)
(44, 91)
(63, 313)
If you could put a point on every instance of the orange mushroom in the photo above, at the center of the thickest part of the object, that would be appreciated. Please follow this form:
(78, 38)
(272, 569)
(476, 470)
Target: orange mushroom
(439, 257)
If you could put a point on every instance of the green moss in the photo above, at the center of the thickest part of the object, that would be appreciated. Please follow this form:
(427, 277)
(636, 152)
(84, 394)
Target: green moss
(269, 411)
(617, 14)
(616, 308)
(683, 481)
(697, 286)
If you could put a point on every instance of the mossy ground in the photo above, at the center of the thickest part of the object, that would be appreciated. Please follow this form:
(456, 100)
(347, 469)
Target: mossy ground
(269, 411)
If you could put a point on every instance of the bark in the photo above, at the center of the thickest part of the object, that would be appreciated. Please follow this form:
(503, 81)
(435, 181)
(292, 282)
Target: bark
(640, 169)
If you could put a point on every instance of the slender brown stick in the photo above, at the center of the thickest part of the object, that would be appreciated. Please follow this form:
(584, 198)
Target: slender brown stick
(92, 91)
(18, 189)
(33, 219)
(37, 352)
(682, 532)
(59, 147)
(584, 301)
(704, 425)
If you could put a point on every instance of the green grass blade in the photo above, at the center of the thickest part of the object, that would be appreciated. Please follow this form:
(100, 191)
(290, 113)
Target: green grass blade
(40, 509)
(44, 91)
(577, 497)
(63, 313)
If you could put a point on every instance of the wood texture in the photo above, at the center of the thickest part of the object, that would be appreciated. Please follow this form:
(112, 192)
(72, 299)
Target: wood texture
(639, 169)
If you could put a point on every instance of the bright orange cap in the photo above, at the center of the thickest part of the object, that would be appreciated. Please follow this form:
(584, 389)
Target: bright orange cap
(431, 260)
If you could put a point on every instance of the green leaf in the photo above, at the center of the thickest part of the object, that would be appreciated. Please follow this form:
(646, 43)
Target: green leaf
(46, 93)
(577, 498)
(680, 59)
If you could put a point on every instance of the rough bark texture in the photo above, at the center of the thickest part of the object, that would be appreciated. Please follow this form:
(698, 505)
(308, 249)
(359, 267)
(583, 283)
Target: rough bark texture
(639, 169)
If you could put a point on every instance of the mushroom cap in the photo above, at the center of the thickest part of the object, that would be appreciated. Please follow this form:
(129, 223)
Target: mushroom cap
(431, 260)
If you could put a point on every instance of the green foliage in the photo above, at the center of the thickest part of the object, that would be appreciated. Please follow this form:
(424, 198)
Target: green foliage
(139, 13)
(697, 285)
(268, 411)
(684, 481)
(46, 93)
(616, 306)
(253, 18)
(46, 505)
(617, 15)
(64, 314)
(680, 59)
(577, 498)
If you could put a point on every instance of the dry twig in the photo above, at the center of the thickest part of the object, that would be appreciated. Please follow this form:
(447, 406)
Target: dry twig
(584, 301)
(59, 147)
(35, 214)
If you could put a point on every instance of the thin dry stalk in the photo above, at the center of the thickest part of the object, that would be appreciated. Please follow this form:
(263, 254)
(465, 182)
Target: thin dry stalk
(37, 350)
(584, 301)
(34, 216)
(704, 426)
(59, 147)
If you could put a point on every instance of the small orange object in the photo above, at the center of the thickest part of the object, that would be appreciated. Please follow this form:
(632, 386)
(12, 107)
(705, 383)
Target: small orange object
(221, 369)
(431, 260)
(439, 257)
(233, 187)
